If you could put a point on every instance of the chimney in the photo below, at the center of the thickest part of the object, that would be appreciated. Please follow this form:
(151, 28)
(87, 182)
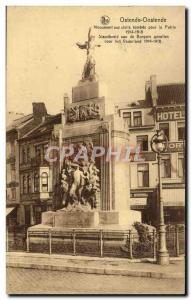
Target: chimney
(39, 111)
(154, 94)
(147, 86)
(66, 101)
(63, 117)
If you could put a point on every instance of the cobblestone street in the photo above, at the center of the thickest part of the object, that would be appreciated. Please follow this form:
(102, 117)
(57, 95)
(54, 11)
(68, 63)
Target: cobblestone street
(30, 281)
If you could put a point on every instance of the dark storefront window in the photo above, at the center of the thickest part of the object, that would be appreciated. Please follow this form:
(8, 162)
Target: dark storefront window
(27, 215)
(181, 165)
(165, 128)
(165, 166)
(127, 118)
(137, 118)
(143, 175)
(181, 131)
(142, 142)
(38, 155)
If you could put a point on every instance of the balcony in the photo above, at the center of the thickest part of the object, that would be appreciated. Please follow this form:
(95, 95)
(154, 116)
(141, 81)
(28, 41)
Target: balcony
(33, 162)
(36, 197)
(144, 155)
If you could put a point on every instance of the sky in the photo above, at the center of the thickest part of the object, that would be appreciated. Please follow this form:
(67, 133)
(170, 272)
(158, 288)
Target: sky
(43, 61)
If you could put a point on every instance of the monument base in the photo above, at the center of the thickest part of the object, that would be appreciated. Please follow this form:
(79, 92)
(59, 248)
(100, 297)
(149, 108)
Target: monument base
(86, 90)
(91, 219)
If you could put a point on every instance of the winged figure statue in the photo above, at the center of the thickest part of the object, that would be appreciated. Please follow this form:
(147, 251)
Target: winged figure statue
(89, 67)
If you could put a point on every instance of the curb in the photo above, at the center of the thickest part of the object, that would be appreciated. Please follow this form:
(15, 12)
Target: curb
(87, 258)
(93, 270)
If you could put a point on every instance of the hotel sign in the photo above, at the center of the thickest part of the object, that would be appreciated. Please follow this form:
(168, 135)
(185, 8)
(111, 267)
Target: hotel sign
(170, 115)
(175, 147)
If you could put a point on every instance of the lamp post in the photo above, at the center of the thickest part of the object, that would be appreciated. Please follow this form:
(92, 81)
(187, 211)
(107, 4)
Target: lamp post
(158, 145)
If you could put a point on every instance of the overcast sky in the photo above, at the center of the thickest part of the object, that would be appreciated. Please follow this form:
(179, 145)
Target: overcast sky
(43, 61)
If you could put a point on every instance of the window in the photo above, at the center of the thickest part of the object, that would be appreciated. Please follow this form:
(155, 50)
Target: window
(142, 142)
(36, 183)
(12, 146)
(13, 193)
(24, 184)
(29, 184)
(13, 172)
(137, 118)
(181, 131)
(127, 118)
(23, 155)
(38, 155)
(181, 165)
(165, 166)
(143, 175)
(13, 175)
(28, 154)
(45, 147)
(44, 182)
(165, 128)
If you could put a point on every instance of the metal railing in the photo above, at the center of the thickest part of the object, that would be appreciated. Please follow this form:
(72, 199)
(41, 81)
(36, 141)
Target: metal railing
(78, 241)
(97, 242)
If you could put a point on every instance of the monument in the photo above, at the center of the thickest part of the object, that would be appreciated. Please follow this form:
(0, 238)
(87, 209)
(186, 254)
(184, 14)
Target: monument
(94, 188)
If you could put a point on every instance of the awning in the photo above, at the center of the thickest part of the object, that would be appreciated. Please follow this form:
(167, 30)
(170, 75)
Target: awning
(138, 201)
(173, 197)
(9, 210)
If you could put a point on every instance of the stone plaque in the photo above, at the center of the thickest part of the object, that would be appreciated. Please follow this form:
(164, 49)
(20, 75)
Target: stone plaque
(77, 219)
(88, 110)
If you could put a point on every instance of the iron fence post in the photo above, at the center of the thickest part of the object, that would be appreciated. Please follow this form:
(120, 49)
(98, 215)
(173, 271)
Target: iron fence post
(101, 242)
(177, 241)
(50, 241)
(7, 240)
(74, 242)
(27, 240)
(130, 245)
(154, 244)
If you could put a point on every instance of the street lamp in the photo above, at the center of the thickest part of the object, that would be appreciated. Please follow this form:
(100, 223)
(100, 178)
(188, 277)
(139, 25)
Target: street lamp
(159, 145)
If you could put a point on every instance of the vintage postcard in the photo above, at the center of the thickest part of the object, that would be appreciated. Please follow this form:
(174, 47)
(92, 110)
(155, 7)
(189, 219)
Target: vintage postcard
(95, 150)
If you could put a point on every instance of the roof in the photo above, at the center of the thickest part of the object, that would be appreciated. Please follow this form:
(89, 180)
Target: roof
(19, 122)
(168, 94)
(46, 126)
(134, 104)
(173, 93)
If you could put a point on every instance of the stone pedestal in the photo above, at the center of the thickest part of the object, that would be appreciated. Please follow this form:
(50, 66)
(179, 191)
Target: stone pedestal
(90, 219)
(86, 90)
(78, 219)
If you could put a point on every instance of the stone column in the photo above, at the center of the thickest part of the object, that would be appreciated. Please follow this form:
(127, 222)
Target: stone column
(104, 180)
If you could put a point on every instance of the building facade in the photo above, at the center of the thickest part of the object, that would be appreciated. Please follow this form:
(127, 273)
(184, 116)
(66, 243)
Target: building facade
(33, 183)
(37, 176)
(14, 132)
(163, 108)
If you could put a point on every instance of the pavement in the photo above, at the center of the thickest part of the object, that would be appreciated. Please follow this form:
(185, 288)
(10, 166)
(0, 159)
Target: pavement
(95, 265)
(22, 281)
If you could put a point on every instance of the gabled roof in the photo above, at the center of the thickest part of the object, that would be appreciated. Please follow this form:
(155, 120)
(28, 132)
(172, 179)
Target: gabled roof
(46, 126)
(168, 94)
(173, 93)
(19, 122)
